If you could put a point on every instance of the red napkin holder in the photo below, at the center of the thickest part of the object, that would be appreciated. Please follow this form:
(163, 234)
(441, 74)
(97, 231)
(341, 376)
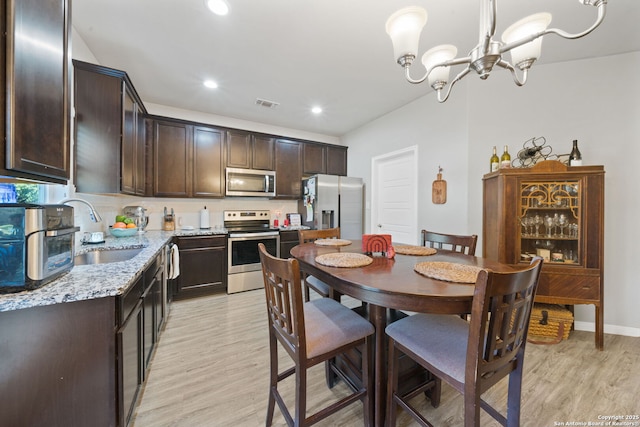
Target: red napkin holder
(376, 243)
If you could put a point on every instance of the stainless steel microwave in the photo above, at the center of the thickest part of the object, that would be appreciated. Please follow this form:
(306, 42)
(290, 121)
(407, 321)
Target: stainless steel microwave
(250, 183)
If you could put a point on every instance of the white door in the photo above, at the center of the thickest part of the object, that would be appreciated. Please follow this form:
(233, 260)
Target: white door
(394, 195)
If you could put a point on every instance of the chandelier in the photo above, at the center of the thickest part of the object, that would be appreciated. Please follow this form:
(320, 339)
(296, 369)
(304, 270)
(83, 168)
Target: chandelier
(522, 40)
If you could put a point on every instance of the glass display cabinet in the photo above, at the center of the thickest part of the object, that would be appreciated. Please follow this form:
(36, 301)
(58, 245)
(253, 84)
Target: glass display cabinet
(556, 212)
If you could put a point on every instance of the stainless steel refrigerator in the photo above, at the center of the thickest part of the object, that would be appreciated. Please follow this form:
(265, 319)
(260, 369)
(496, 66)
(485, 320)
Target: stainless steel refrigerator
(333, 201)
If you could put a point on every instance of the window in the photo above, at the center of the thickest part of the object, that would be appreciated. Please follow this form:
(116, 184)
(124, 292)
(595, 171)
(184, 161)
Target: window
(22, 193)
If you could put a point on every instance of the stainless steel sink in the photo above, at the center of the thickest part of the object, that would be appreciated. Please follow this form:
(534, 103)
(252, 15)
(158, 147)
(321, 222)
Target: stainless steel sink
(107, 256)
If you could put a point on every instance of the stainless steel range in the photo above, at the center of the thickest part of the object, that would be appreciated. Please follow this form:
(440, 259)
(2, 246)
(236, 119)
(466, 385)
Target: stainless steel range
(247, 229)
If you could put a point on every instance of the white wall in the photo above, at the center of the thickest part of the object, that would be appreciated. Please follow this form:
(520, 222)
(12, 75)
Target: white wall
(441, 135)
(596, 101)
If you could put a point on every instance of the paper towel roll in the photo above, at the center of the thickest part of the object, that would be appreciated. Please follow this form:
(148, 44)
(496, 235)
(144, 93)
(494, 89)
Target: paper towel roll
(204, 218)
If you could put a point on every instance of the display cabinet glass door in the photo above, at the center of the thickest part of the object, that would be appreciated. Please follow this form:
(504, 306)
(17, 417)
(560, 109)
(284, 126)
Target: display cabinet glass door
(550, 221)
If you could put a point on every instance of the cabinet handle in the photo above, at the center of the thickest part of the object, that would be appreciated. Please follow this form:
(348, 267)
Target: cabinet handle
(62, 232)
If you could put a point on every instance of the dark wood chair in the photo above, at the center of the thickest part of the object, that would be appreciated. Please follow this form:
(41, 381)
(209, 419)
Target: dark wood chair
(451, 242)
(312, 282)
(311, 333)
(470, 356)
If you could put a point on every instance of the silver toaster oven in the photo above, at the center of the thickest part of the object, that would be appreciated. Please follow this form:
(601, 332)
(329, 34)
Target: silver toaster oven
(37, 245)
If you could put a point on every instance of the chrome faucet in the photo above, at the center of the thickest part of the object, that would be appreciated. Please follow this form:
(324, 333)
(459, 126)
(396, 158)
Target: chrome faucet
(93, 213)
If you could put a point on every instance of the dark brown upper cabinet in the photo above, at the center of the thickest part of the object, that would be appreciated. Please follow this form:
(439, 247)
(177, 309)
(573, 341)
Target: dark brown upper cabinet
(314, 159)
(336, 160)
(288, 169)
(249, 151)
(187, 159)
(324, 159)
(109, 131)
(35, 109)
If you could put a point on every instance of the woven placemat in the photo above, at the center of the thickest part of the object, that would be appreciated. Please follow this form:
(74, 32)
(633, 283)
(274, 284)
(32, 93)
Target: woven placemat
(332, 242)
(344, 259)
(448, 271)
(414, 250)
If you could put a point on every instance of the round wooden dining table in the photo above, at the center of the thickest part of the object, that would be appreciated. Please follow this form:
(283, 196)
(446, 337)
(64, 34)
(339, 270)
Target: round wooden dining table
(393, 284)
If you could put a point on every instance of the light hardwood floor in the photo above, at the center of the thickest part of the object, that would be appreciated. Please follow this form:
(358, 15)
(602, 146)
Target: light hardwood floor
(211, 369)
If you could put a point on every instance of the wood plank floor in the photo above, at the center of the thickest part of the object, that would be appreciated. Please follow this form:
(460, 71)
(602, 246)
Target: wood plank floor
(211, 368)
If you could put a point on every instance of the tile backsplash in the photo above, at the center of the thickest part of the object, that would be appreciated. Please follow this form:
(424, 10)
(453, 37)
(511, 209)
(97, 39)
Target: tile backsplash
(187, 211)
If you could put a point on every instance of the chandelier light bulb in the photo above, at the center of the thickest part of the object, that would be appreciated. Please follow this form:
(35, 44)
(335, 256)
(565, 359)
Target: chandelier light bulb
(404, 28)
(439, 76)
(523, 56)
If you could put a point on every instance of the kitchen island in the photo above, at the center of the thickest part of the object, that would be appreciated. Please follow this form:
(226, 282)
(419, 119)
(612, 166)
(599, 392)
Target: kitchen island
(76, 351)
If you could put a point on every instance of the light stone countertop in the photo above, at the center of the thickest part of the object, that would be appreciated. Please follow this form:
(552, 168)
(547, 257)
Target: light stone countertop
(85, 282)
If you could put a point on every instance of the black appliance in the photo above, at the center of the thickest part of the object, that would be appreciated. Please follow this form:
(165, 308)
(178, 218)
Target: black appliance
(36, 245)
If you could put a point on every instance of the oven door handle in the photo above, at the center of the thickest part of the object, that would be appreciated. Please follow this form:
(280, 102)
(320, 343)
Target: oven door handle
(254, 235)
(62, 232)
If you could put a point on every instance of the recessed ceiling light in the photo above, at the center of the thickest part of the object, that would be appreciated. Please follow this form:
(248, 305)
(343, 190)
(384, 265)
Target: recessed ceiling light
(211, 84)
(316, 110)
(219, 7)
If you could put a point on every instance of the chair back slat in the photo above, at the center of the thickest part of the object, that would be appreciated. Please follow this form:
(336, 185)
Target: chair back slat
(306, 236)
(450, 242)
(501, 313)
(283, 293)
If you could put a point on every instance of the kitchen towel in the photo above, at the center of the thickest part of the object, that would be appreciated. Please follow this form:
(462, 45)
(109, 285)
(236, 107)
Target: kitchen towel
(174, 262)
(204, 218)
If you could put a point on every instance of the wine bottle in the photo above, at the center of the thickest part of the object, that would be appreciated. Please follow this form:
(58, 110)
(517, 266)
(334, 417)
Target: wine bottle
(505, 159)
(495, 161)
(575, 158)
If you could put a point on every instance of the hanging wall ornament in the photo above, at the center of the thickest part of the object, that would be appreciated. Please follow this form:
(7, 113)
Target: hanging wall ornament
(439, 189)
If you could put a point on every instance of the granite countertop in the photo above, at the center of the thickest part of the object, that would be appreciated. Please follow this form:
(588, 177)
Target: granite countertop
(293, 227)
(85, 282)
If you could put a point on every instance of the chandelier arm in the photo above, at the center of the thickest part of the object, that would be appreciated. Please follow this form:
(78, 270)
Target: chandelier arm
(407, 74)
(453, 82)
(506, 65)
(601, 14)
(449, 63)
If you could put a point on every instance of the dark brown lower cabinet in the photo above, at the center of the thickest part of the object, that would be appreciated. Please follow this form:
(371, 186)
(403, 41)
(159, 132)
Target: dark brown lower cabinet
(203, 265)
(288, 239)
(80, 363)
(59, 365)
(130, 372)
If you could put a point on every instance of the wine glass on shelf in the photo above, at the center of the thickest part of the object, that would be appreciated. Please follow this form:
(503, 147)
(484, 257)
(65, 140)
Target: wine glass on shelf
(573, 230)
(563, 222)
(524, 222)
(537, 222)
(548, 224)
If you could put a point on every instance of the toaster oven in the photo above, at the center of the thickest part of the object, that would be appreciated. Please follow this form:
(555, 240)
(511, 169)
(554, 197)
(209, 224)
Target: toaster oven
(36, 245)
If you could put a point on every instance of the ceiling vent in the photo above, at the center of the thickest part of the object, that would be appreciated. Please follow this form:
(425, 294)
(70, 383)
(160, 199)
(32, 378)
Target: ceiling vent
(267, 104)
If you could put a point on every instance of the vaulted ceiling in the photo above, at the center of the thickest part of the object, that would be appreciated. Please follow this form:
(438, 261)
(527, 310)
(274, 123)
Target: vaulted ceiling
(301, 53)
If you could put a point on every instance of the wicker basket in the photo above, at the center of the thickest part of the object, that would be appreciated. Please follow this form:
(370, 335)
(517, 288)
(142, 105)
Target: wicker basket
(549, 324)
